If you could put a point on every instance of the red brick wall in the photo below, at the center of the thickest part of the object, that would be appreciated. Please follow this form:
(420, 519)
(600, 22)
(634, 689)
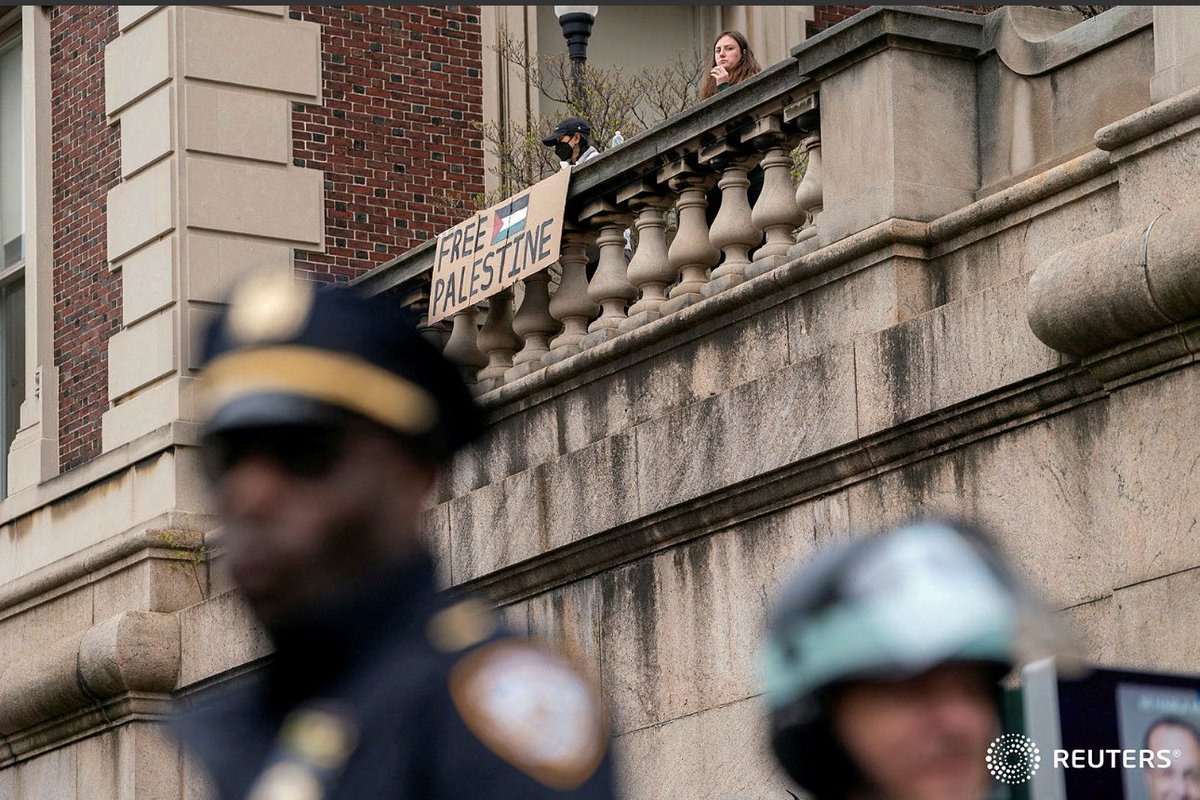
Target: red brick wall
(86, 155)
(401, 86)
(826, 16)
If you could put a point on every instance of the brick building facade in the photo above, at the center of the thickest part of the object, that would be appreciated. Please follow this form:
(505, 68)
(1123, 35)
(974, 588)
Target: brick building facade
(401, 89)
(403, 92)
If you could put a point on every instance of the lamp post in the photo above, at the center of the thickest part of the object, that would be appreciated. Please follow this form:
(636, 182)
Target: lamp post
(576, 22)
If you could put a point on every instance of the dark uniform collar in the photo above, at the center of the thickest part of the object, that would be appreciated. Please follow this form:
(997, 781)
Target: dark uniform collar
(316, 647)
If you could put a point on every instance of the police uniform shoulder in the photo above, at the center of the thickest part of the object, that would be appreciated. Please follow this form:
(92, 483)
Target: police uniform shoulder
(461, 625)
(529, 705)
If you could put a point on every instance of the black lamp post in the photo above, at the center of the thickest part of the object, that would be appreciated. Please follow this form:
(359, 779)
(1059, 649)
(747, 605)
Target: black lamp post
(576, 22)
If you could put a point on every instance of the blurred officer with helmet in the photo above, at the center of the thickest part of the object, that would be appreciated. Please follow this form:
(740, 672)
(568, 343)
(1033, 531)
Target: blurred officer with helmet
(329, 418)
(883, 663)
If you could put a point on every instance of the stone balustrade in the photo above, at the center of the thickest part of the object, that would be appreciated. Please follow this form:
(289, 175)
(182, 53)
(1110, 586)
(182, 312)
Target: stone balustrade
(676, 260)
(864, 164)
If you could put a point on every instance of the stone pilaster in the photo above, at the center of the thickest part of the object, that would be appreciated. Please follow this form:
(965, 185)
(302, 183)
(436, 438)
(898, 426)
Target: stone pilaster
(1176, 51)
(896, 144)
(208, 189)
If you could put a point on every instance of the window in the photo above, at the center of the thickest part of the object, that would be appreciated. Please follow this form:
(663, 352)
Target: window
(12, 168)
(12, 235)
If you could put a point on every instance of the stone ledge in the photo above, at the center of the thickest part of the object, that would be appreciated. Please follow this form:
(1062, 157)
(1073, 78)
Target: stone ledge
(83, 724)
(793, 278)
(103, 466)
(950, 32)
(1150, 120)
(858, 461)
(91, 563)
(1125, 284)
(136, 651)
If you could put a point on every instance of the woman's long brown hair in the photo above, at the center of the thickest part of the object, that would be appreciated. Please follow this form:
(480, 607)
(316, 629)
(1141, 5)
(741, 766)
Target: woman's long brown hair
(745, 68)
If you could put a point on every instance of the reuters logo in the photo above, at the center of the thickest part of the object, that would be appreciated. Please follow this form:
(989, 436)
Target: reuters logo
(1013, 758)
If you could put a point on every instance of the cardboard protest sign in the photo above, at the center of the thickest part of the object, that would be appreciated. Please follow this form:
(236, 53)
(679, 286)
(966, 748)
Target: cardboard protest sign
(498, 247)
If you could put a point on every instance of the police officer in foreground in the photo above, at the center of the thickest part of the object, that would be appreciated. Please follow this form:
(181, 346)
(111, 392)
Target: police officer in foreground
(883, 662)
(330, 417)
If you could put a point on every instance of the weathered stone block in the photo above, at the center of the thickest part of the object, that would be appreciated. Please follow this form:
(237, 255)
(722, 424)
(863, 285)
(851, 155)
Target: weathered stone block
(597, 409)
(241, 124)
(786, 416)
(1154, 623)
(717, 754)
(277, 54)
(949, 355)
(1094, 627)
(226, 619)
(1148, 472)
(137, 61)
(570, 617)
(147, 130)
(865, 301)
(1176, 51)
(148, 280)
(140, 209)
(28, 630)
(546, 507)
(154, 584)
(515, 443)
(141, 353)
(98, 763)
(681, 630)
(51, 775)
(1028, 487)
(153, 763)
(215, 263)
(242, 197)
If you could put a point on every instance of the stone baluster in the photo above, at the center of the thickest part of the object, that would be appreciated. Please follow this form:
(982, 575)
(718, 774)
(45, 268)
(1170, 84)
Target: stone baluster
(733, 230)
(571, 305)
(776, 211)
(534, 324)
(809, 196)
(650, 268)
(433, 332)
(691, 253)
(463, 347)
(610, 286)
(498, 340)
(417, 304)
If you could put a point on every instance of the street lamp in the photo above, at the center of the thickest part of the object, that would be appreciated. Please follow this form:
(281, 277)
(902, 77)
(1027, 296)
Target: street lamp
(576, 22)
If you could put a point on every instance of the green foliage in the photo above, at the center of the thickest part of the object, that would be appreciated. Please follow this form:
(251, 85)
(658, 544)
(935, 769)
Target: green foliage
(194, 555)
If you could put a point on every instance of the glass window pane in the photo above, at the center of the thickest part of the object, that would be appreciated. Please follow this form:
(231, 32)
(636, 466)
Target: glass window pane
(12, 367)
(12, 166)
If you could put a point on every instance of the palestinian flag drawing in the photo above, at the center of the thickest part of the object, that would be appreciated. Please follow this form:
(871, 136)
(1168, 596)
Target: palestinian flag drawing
(510, 219)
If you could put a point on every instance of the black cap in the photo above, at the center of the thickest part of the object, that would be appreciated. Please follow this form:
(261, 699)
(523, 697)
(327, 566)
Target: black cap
(285, 353)
(567, 127)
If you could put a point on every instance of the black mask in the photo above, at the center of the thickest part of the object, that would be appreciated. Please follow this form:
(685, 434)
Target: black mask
(564, 151)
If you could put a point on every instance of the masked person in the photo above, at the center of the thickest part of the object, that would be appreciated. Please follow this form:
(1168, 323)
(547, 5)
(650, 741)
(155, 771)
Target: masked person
(570, 142)
(883, 662)
(330, 418)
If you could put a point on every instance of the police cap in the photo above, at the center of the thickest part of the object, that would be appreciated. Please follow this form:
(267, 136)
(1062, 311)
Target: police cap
(284, 353)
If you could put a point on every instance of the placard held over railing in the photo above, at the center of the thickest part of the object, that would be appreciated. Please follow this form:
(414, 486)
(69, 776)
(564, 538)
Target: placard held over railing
(498, 247)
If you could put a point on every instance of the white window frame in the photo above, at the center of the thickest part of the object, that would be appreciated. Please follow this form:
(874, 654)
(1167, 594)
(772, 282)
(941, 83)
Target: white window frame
(33, 455)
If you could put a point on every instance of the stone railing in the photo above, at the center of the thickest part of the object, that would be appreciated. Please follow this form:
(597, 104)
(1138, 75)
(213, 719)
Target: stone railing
(901, 149)
(655, 185)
